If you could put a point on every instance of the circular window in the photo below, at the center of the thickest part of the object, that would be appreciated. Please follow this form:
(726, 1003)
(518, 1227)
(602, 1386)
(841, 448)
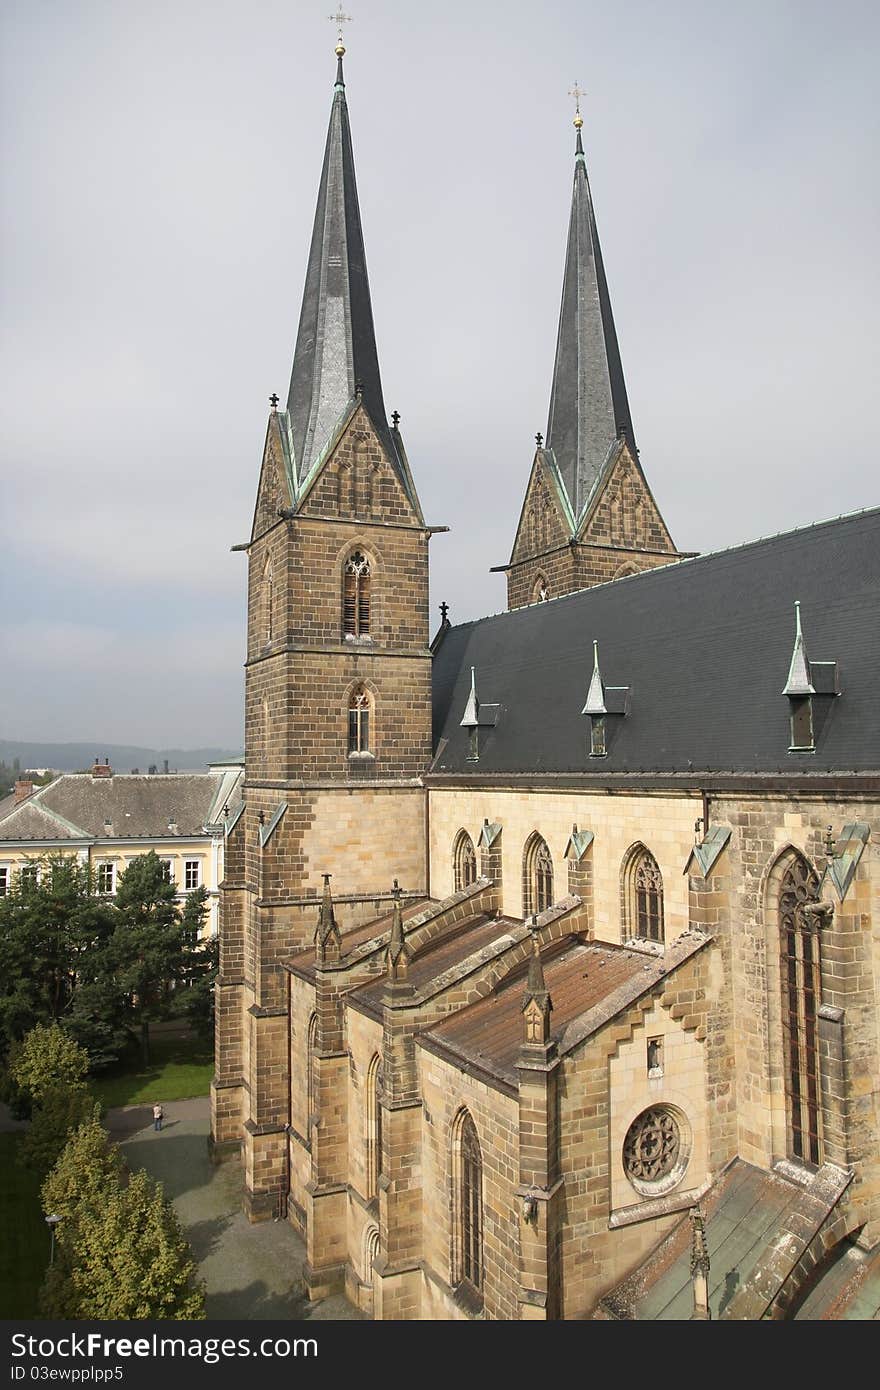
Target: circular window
(655, 1150)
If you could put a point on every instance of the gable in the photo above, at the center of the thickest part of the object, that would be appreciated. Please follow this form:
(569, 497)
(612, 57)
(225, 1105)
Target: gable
(273, 491)
(542, 523)
(623, 511)
(357, 480)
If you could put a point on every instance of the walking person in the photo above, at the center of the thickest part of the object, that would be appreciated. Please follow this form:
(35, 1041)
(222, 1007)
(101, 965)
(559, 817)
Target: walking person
(158, 1116)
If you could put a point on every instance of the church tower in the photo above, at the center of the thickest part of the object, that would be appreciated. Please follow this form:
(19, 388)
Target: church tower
(588, 515)
(338, 680)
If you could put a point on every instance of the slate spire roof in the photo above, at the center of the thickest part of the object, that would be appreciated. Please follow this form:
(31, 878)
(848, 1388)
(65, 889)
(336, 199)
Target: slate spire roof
(335, 359)
(589, 409)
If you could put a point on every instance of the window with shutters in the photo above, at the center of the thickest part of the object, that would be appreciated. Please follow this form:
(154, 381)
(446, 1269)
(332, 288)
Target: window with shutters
(356, 596)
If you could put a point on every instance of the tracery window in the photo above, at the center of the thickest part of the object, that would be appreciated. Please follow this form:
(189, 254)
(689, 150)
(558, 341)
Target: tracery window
(537, 877)
(801, 997)
(359, 721)
(643, 896)
(356, 596)
(468, 1179)
(374, 1126)
(652, 1147)
(464, 861)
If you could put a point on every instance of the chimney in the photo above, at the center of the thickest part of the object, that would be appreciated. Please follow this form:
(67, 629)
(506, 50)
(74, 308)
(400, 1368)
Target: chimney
(23, 789)
(102, 769)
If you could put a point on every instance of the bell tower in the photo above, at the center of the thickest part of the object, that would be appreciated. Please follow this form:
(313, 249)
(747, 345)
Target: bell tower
(588, 514)
(337, 679)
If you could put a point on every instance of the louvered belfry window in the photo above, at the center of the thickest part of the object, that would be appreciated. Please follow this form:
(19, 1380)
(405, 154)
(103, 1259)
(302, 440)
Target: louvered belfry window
(801, 998)
(356, 598)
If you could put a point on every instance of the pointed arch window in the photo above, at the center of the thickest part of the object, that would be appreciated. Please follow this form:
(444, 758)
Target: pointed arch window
(356, 596)
(468, 1204)
(541, 590)
(359, 721)
(464, 861)
(537, 877)
(643, 897)
(269, 601)
(801, 997)
(374, 1126)
(311, 1086)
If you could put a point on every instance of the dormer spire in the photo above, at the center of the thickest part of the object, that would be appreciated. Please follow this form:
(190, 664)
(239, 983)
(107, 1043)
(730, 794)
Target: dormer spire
(799, 682)
(589, 409)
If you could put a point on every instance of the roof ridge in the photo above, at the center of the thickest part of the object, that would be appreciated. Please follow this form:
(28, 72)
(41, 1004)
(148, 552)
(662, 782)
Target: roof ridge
(676, 561)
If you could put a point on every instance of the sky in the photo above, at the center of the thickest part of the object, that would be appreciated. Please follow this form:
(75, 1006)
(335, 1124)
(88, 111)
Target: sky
(158, 172)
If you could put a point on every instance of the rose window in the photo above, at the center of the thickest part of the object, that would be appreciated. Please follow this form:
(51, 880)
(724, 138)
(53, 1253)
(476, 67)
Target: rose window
(652, 1146)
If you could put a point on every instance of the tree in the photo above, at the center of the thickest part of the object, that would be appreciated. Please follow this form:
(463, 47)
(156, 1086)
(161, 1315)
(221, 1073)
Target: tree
(50, 1068)
(147, 952)
(60, 1110)
(195, 1002)
(48, 1059)
(48, 928)
(87, 1171)
(121, 1252)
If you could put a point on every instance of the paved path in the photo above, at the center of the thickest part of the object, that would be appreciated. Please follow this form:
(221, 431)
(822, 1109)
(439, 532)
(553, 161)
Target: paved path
(251, 1271)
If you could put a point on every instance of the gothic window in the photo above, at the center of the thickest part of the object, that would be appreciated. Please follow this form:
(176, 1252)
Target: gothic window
(643, 896)
(374, 1126)
(359, 721)
(537, 877)
(311, 1088)
(541, 590)
(468, 1204)
(800, 1006)
(356, 596)
(464, 861)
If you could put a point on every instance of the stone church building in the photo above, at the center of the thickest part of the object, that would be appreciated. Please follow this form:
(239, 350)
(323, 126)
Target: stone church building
(550, 943)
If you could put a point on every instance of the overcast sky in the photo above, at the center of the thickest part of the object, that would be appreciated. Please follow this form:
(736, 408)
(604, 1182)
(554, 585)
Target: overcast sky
(159, 170)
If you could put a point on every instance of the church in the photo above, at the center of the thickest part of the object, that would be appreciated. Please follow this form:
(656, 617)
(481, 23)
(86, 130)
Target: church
(550, 942)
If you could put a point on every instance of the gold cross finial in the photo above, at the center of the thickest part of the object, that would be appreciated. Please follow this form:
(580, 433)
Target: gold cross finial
(577, 94)
(339, 18)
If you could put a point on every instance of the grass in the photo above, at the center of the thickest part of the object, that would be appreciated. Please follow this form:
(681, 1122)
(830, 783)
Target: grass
(24, 1247)
(179, 1068)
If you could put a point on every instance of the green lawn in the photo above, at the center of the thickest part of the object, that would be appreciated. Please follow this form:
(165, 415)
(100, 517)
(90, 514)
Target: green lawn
(24, 1246)
(180, 1068)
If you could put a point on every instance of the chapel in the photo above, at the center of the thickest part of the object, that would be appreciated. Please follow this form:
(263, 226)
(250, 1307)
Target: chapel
(550, 942)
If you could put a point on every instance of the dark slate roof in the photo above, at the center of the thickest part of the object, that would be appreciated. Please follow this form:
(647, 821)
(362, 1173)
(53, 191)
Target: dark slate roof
(704, 646)
(588, 402)
(336, 343)
(76, 805)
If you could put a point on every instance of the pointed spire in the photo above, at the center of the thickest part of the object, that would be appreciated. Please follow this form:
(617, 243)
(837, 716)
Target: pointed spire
(799, 682)
(327, 937)
(398, 954)
(596, 693)
(537, 1004)
(335, 361)
(589, 409)
(472, 708)
(699, 1266)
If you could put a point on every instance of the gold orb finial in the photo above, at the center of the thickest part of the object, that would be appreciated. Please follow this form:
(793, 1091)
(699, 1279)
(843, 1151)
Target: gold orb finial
(339, 18)
(339, 49)
(578, 121)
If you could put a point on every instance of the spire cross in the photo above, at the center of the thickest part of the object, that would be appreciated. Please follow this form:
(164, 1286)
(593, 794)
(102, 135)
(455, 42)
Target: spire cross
(577, 94)
(340, 18)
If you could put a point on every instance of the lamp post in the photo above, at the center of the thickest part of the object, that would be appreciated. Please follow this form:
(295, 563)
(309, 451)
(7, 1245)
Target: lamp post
(52, 1221)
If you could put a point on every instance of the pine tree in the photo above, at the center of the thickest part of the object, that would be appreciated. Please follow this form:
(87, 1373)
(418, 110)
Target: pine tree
(147, 951)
